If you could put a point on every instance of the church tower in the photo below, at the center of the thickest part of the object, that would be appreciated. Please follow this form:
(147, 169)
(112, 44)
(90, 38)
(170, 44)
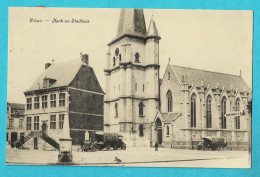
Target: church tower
(132, 79)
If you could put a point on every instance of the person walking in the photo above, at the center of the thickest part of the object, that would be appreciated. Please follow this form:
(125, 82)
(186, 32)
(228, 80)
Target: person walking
(156, 146)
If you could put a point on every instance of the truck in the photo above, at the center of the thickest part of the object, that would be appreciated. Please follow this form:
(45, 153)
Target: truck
(109, 140)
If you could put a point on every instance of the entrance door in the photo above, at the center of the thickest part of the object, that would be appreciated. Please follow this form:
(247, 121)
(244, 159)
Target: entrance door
(13, 136)
(159, 136)
(44, 129)
(158, 125)
(35, 143)
(22, 137)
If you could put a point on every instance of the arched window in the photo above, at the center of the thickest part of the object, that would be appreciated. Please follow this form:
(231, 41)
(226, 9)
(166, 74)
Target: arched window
(169, 75)
(120, 57)
(169, 101)
(141, 130)
(167, 130)
(114, 61)
(237, 109)
(141, 109)
(193, 110)
(208, 112)
(116, 110)
(137, 57)
(223, 112)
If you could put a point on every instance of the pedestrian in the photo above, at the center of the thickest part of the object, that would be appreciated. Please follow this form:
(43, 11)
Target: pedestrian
(156, 146)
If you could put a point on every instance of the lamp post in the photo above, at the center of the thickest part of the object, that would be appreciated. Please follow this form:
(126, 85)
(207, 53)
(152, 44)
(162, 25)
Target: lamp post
(65, 152)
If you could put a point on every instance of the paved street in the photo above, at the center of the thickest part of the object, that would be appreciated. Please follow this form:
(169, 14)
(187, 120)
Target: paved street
(143, 156)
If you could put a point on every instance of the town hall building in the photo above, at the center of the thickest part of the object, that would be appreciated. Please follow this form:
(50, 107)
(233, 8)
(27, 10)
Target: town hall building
(178, 110)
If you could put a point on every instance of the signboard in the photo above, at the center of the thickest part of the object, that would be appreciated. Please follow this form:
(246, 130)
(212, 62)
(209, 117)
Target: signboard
(238, 113)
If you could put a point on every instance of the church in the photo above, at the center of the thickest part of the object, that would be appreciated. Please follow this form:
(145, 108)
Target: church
(177, 110)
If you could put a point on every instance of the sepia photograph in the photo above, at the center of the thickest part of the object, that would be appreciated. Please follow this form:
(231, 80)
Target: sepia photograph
(129, 87)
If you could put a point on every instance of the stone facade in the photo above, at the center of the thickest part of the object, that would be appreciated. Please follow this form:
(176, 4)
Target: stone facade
(178, 111)
(182, 132)
(132, 80)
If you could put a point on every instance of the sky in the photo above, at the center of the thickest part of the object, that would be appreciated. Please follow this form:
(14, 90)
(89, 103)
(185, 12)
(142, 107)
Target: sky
(213, 40)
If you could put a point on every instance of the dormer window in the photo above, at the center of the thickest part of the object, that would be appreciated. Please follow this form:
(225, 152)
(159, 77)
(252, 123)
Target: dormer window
(47, 82)
(137, 56)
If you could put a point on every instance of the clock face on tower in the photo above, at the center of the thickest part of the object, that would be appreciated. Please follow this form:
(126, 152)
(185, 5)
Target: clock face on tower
(117, 51)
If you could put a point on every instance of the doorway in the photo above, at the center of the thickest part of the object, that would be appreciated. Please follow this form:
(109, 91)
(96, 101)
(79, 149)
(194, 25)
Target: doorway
(44, 129)
(158, 125)
(13, 136)
(35, 143)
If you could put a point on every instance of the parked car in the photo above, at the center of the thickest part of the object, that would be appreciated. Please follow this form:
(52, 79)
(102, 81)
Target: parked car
(214, 143)
(110, 140)
(17, 144)
(89, 146)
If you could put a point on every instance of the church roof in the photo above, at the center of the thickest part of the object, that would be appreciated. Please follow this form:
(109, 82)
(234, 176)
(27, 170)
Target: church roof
(152, 30)
(131, 22)
(170, 116)
(197, 76)
(63, 73)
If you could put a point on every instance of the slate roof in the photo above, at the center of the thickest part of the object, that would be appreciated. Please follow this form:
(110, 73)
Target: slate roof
(17, 106)
(131, 22)
(17, 109)
(195, 76)
(63, 73)
(152, 30)
(169, 117)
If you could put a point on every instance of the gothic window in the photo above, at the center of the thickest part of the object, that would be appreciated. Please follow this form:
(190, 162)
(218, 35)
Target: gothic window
(237, 109)
(169, 101)
(116, 110)
(193, 110)
(141, 130)
(36, 122)
(141, 109)
(167, 130)
(117, 51)
(223, 112)
(208, 112)
(169, 75)
(137, 56)
(120, 58)
(114, 61)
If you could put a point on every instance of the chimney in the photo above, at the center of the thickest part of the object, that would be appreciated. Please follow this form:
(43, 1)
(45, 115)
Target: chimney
(84, 58)
(47, 65)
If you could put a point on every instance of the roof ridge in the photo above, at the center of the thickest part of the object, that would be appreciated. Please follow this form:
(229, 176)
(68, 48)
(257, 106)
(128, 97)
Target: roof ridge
(207, 71)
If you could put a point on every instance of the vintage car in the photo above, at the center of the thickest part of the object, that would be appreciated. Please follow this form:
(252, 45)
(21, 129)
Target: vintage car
(212, 143)
(17, 144)
(110, 140)
(89, 146)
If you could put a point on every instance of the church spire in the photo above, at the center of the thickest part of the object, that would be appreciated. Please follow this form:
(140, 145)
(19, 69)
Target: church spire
(152, 30)
(131, 22)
